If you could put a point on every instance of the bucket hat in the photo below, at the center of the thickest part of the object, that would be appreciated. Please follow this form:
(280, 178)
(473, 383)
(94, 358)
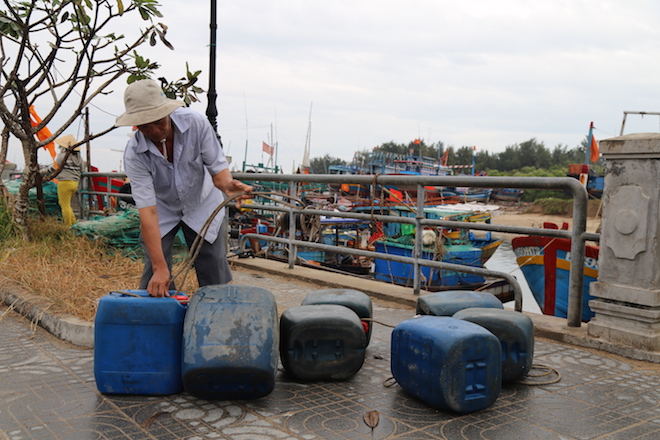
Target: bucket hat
(66, 141)
(145, 102)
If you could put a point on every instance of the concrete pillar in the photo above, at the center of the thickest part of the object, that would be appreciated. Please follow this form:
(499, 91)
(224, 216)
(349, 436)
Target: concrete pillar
(627, 292)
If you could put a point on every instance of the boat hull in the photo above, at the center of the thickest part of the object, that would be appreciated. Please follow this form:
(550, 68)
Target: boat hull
(545, 262)
(474, 194)
(507, 194)
(403, 273)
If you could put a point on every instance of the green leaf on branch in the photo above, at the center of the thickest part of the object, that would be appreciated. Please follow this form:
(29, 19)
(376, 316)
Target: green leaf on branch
(148, 9)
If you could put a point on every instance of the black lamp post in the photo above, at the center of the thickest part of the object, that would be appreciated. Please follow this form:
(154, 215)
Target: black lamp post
(212, 109)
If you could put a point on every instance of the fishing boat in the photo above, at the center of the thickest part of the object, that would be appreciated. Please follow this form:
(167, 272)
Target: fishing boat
(585, 174)
(347, 189)
(458, 247)
(593, 182)
(507, 194)
(545, 262)
(433, 279)
(383, 163)
(473, 194)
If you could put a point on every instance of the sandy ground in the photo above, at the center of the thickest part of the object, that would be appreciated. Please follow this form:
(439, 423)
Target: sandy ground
(529, 220)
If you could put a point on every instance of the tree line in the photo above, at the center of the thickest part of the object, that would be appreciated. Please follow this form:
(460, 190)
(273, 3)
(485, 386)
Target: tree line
(531, 157)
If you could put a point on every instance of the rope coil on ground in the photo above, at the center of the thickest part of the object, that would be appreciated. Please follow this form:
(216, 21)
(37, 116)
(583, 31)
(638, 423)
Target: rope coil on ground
(548, 370)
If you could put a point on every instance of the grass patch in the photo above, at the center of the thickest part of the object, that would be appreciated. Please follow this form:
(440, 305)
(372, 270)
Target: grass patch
(552, 206)
(562, 207)
(7, 228)
(71, 271)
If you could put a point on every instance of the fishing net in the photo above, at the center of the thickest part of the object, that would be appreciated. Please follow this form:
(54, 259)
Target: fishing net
(120, 232)
(51, 205)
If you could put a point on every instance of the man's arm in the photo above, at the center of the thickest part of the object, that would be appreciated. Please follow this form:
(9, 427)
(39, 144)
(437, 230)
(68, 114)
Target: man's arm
(230, 186)
(159, 283)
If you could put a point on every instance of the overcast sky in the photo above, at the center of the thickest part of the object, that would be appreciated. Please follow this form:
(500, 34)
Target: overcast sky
(482, 73)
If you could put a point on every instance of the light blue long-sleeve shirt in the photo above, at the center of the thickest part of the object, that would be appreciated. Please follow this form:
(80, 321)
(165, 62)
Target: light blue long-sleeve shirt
(182, 190)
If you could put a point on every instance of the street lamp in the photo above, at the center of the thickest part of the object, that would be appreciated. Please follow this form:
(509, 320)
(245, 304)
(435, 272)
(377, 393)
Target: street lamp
(212, 109)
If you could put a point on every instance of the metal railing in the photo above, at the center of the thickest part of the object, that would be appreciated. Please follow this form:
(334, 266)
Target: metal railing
(92, 201)
(578, 234)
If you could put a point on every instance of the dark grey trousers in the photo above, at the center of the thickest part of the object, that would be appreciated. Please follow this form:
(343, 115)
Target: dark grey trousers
(210, 265)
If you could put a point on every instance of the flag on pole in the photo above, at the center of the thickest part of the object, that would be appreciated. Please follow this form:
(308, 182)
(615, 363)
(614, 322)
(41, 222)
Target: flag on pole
(396, 196)
(417, 141)
(593, 151)
(267, 149)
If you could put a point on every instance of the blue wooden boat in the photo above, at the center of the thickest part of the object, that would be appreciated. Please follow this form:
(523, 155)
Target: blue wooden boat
(473, 194)
(460, 247)
(545, 262)
(507, 194)
(433, 279)
(402, 273)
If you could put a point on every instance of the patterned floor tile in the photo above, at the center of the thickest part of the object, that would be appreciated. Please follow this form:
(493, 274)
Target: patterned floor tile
(47, 391)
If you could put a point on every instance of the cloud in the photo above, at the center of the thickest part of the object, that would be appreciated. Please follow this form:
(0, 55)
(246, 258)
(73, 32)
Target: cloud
(482, 73)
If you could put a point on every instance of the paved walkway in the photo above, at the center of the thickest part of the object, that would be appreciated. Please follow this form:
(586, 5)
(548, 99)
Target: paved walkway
(47, 391)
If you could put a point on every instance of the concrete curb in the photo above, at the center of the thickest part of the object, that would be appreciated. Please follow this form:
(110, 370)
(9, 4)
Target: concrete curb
(35, 308)
(553, 328)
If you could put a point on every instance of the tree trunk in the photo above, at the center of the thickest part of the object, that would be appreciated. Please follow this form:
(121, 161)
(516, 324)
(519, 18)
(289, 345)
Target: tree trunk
(21, 205)
(41, 203)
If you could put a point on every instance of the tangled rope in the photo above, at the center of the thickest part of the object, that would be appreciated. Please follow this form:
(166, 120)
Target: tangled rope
(391, 381)
(197, 243)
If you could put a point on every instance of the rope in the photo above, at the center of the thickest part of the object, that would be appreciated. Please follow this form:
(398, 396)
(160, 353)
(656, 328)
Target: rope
(125, 292)
(549, 370)
(197, 243)
(378, 322)
(391, 381)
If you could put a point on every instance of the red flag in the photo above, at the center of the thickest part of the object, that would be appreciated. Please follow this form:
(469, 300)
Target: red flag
(396, 196)
(593, 147)
(267, 149)
(417, 142)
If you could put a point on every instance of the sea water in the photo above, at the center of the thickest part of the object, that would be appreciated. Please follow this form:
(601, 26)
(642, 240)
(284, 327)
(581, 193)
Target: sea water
(504, 260)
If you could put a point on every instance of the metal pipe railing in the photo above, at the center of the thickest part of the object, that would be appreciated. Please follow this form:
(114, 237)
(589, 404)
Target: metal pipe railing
(579, 192)
(578, 234)
(517, 291)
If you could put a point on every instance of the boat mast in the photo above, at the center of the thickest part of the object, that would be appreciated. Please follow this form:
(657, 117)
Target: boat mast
(305, 166)
(246, 133)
